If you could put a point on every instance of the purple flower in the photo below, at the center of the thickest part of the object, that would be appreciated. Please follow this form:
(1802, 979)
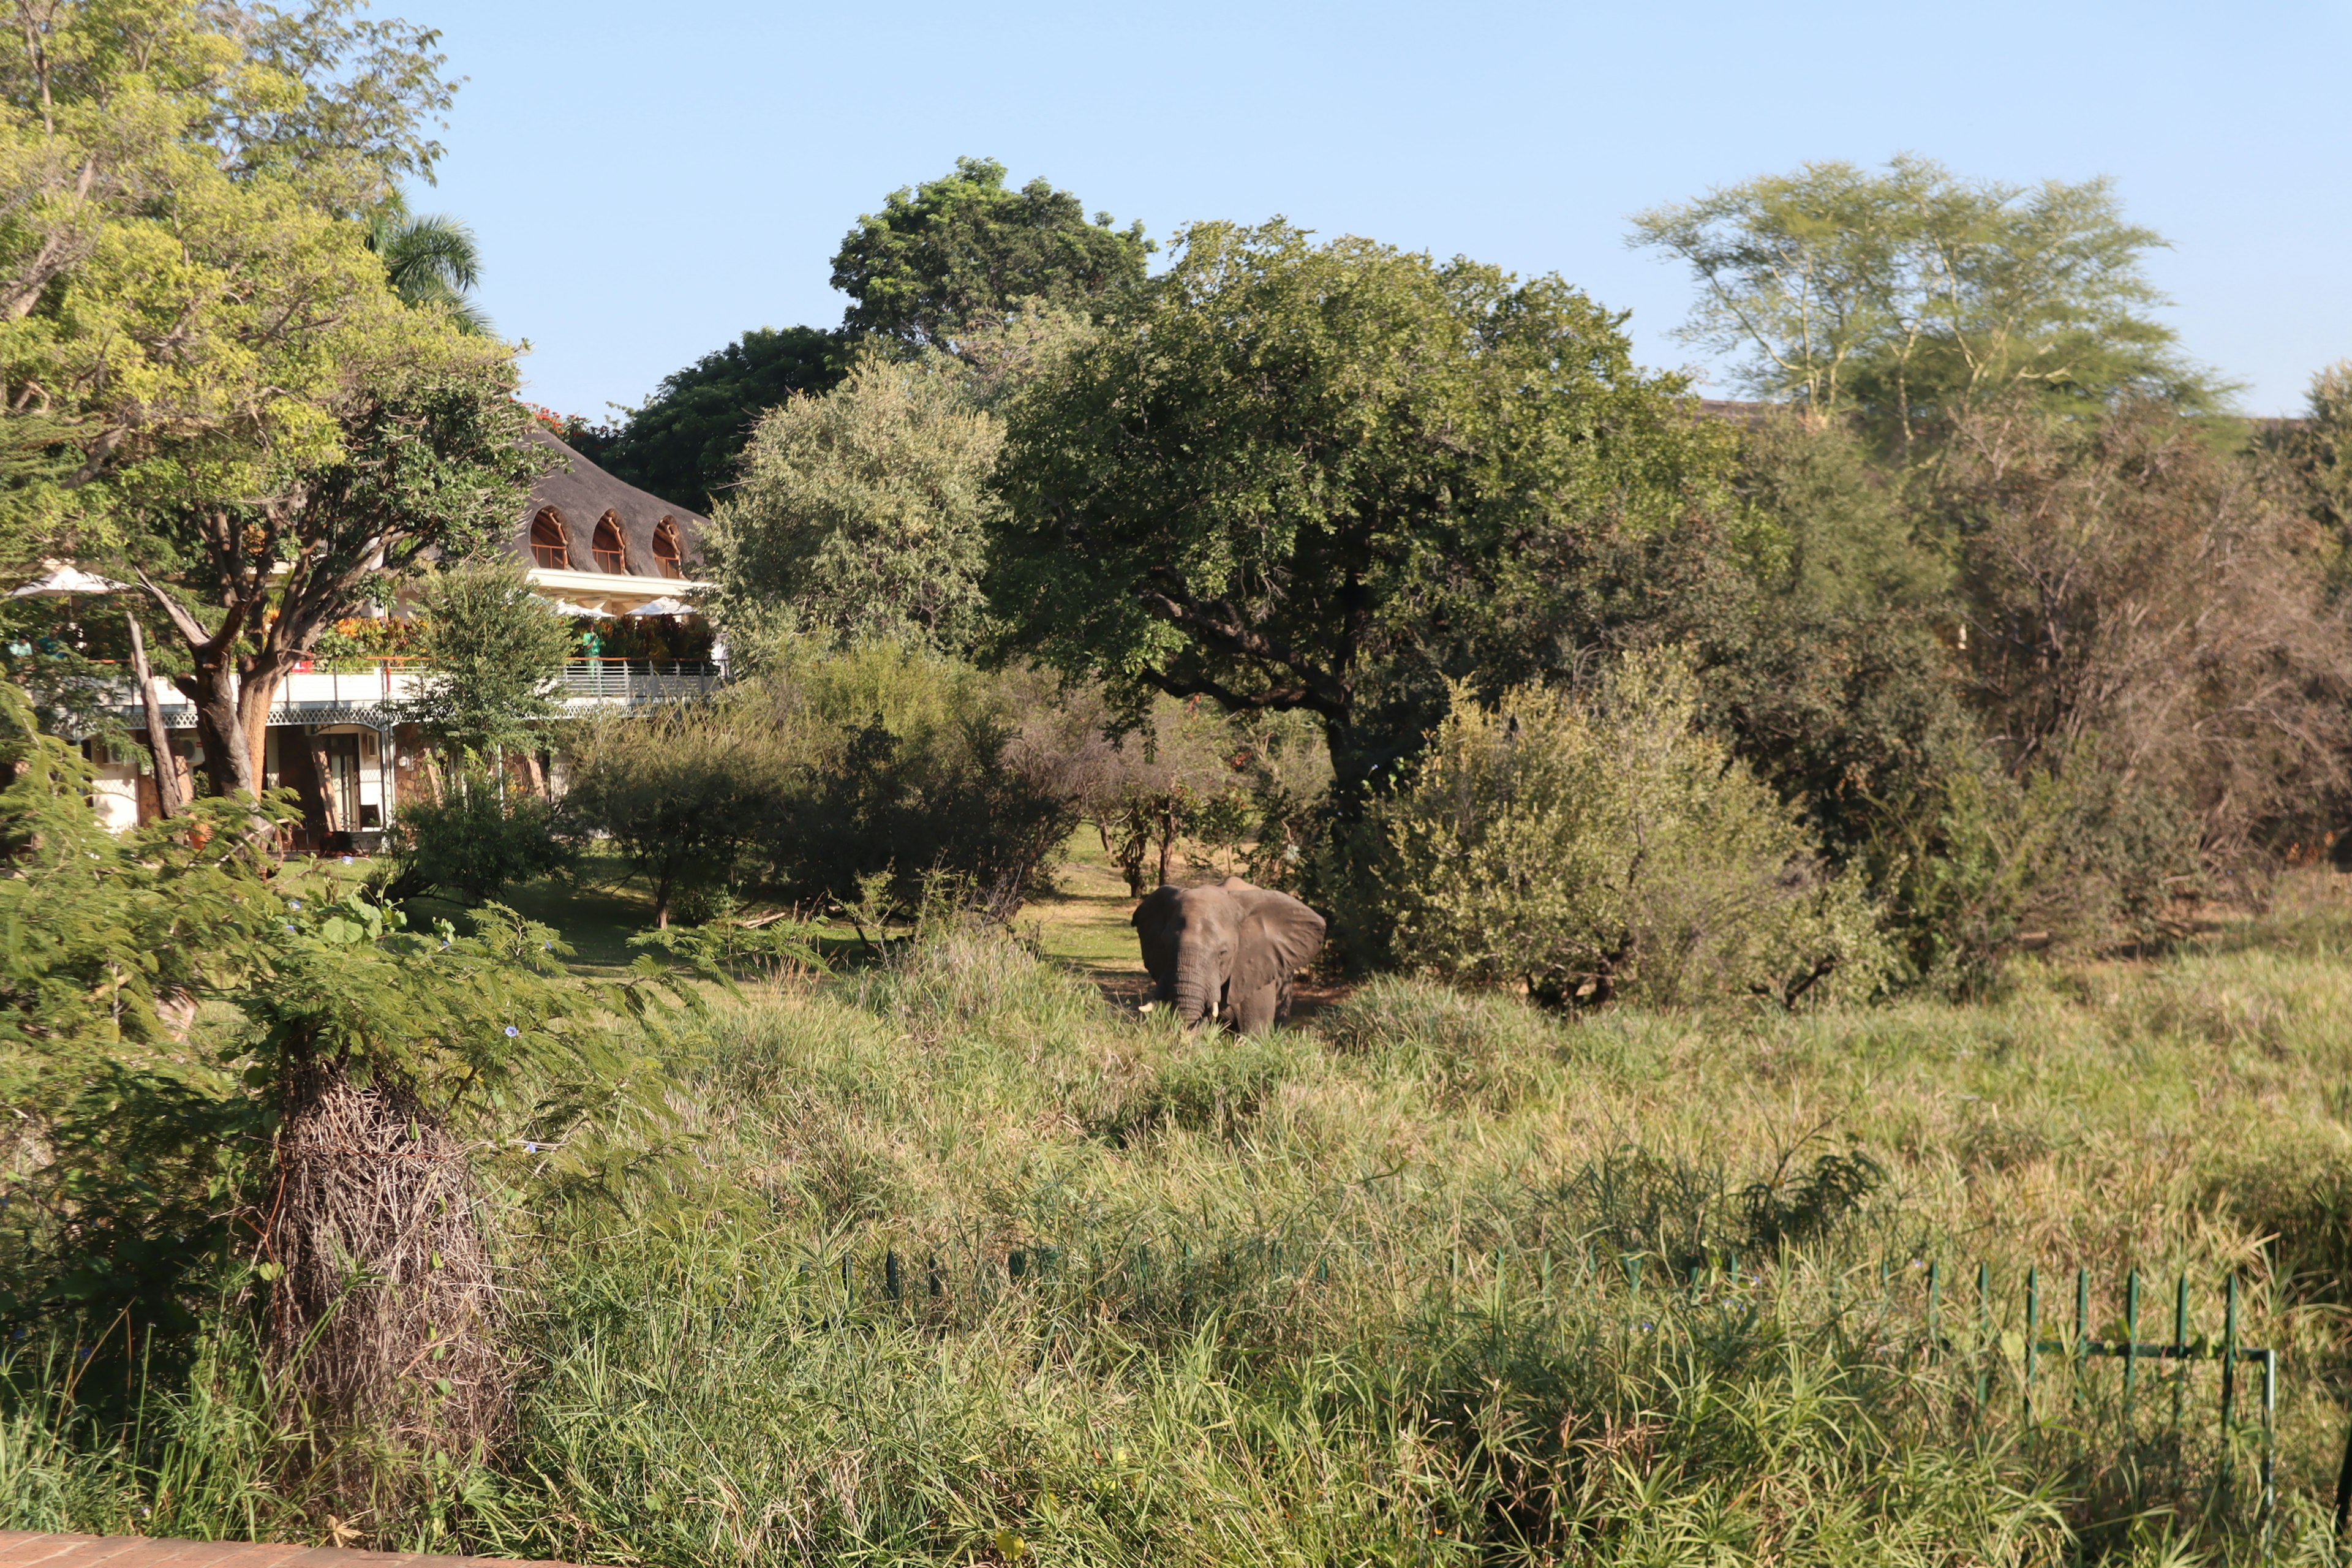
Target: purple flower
(512, 1031)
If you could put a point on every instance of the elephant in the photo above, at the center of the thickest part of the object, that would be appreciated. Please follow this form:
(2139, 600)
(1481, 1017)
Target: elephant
(1226, 951)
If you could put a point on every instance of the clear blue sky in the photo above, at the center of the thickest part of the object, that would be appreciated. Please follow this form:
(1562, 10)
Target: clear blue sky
(650, 181)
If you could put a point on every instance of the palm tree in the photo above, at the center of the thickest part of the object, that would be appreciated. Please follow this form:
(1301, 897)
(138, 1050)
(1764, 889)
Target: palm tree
(429, 259)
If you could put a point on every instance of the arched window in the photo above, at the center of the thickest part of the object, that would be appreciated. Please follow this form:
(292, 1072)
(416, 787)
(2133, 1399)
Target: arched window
(548, 548)
(611, 555)
(669, 557)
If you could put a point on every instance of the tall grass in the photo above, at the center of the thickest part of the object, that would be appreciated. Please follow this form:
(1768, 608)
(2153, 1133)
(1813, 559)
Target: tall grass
(1362, 1292)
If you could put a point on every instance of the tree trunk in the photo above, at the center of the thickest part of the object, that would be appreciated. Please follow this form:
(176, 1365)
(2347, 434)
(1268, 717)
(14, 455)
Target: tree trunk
(231, 762)
(257, 694)
(330, 813)
(172, 791)
(432, 773)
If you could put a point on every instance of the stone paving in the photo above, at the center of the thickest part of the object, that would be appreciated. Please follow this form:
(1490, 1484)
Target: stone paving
(26, 1549)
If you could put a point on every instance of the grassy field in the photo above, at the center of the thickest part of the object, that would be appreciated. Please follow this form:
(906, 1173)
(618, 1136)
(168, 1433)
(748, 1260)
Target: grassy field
(953, 1260)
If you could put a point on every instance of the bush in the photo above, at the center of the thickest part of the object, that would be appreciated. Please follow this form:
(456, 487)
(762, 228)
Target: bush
(892, 760)
(1598, 848)
(474, 846)
(680, 795)
(830, 767)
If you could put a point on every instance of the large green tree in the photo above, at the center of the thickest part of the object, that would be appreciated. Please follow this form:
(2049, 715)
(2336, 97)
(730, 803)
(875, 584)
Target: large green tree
(1293, 476)
(863, 513)
(1914, 293)
(963, 250)
(249, 417)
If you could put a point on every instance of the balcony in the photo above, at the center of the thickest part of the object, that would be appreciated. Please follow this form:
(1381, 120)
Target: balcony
(369, 691)
(627, 682)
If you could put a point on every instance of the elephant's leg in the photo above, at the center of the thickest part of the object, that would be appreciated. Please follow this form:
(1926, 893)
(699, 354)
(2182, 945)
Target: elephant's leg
(1287, 989)
(1254, 1012)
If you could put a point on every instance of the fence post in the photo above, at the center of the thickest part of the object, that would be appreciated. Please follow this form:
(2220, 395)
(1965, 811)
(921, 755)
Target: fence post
(2270, 1446)
(1935, 1289)
(2131, 1345)
(2033, 1333)
(2181, 1347)
(2228, 1376)
(1984, 1331)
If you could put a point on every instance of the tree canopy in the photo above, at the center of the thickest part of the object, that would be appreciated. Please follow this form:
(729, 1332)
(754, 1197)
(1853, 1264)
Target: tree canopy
(493, 654)
(864, 512)
(686, 441)
(963, 250)
(223, 389)
(1911, 293)
(1327, 476)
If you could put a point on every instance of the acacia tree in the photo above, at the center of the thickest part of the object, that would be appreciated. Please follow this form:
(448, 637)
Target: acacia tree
(1326, 478)
(1914, 293)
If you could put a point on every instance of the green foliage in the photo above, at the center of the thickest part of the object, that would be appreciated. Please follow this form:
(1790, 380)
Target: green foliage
(680, 794)
(902, 762)
(1242, 788)
(161, 994)
(1327, 478)
(1914, 294)
(1918, 295)
(474, 846)
(831, 768)
(1329, 1296)
(960, 252)
(431, 261)
(241, 405)
(1590, 849)
(493, 655)
(686, 440)
(2316, 449)
(862, 513)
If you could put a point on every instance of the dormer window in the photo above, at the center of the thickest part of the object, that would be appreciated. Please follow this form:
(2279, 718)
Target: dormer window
(547, 547)
(669, 556)
(611, 555)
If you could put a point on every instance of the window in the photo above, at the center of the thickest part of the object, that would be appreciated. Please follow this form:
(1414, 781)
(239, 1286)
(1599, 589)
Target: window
(669, 559)
(548, 548)
(611, 554)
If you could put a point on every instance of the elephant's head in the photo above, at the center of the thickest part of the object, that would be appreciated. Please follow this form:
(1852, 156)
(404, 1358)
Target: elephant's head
(1227, 951)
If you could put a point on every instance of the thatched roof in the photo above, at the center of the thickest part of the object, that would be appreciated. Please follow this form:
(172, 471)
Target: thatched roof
(579, 494)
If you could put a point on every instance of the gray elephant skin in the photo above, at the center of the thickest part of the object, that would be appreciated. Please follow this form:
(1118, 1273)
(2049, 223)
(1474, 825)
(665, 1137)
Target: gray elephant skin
(1227, 951)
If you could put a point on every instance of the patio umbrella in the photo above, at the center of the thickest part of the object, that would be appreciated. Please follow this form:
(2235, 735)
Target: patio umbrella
(63, 578)
(661, 607)
(566, 608)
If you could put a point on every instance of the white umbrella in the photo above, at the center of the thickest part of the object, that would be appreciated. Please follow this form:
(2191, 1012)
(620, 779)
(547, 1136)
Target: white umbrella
(662, 607)
(566, 608)
(62, 579)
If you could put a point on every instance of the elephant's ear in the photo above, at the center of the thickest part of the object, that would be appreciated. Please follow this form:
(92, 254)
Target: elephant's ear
(1152, 919)
(1278, 935)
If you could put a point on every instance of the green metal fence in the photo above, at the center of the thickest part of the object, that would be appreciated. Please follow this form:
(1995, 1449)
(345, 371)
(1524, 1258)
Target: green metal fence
(2025, 1352)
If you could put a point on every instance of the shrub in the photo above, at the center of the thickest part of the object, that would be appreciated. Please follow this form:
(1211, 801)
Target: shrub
(891, 759)
(831, 766)
(1595, 848)
(679, 795)
(474, 846)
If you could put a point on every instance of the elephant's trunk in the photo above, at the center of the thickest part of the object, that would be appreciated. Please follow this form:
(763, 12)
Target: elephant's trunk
(1196, 988)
